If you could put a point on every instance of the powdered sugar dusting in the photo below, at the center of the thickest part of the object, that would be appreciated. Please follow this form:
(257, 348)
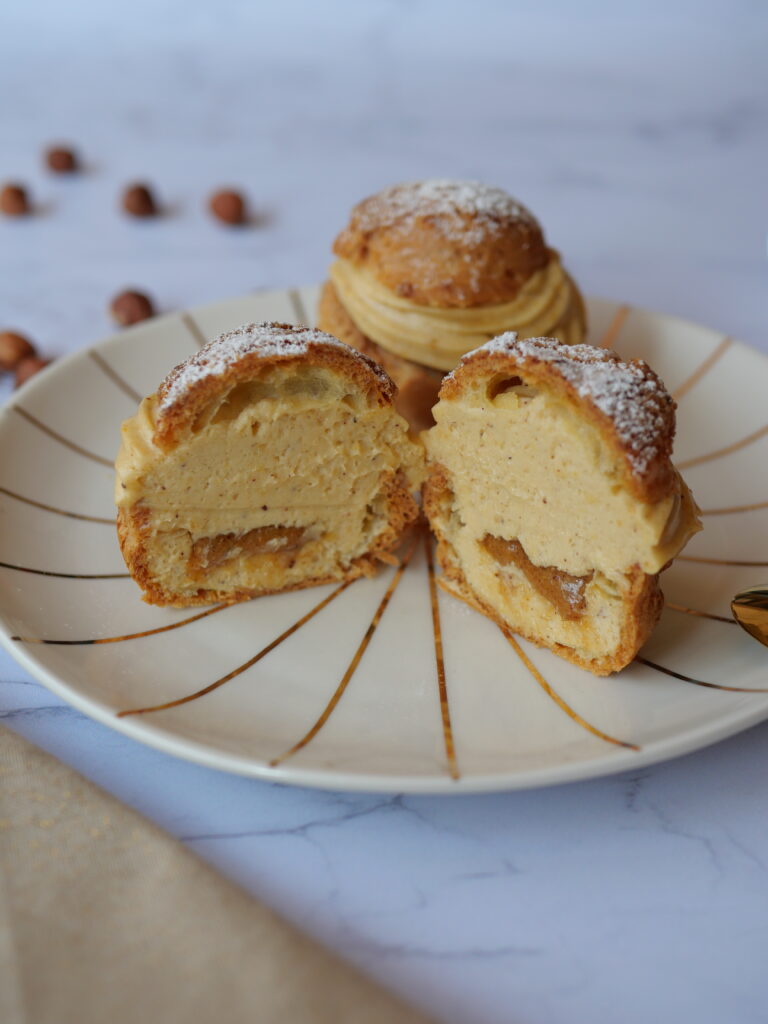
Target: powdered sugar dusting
(269, 340)
(573, 590)
(629, 393)
(466, 211)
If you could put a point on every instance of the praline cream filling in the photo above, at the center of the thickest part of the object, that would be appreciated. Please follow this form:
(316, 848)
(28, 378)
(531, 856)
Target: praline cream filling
(547, 304)
(525, 467)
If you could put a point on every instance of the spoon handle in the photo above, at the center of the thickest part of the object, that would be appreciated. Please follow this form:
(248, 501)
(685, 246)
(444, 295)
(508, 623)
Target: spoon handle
(750, 609)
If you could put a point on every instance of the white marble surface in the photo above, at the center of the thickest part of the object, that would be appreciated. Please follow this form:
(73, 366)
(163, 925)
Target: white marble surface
(640, 139)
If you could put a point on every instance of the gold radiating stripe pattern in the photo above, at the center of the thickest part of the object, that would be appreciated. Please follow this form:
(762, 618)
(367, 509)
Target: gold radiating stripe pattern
(703, 369)
(241, 668)
(700, 682)
(699, 614)
(298, 308)
(114, 376)
(756, 435)
(559, 700)
(61, 439)
(445, 712)
(720, 561)
(191, 324)
(614, 328)
(734, 508)
(66, 575)
(352, 668)
(52, 508)
(125, 636)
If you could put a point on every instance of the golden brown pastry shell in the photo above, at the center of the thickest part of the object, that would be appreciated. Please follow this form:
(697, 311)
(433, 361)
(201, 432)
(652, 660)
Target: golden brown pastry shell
(479, 262)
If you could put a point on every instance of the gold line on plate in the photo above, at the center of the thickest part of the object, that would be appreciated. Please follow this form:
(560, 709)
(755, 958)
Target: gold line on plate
(246, 665)
(114, 376)
(700, 682)
(450, 750)
(699, 614)
(191, 324)
(559, 700)
(62, 440)
(298, 307)
(728, 450)
(733, 508)
(610, 337)
(57, 511)
(66, 575)
(720, 561)
(127, 636)
(705, 367)
(339, 692)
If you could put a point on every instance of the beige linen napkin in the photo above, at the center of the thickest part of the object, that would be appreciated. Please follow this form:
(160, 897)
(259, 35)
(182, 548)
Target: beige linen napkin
(104, 919)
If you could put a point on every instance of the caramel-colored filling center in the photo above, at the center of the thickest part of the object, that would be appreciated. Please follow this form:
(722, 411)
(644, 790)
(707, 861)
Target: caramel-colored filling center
(210, 552)
(566, 593)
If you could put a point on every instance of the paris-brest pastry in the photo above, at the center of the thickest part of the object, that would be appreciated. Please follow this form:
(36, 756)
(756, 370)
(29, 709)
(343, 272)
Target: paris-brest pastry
(427, 271)
(553, 497)
(271, 459)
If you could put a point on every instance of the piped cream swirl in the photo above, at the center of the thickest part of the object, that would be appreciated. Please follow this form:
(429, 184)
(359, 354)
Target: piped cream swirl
(548, 304)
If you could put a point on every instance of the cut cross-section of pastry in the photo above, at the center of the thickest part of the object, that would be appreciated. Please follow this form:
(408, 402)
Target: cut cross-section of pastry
(553, 497)
(271, 459)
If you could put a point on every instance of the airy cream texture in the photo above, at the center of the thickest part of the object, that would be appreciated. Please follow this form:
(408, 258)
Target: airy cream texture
(525, 466)
(313, 460)
(547, 304)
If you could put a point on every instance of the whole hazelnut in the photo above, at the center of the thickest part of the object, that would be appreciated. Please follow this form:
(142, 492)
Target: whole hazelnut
(228, 206)
(62, 160)
(28, 368)
(14, 201)
(138, 201)
(13, 348)
(131, 308)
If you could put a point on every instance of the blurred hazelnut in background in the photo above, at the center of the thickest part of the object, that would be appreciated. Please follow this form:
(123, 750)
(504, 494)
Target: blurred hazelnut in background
(62, 160)
(139, 201)
(14, 201)
(131, 307)
(228, 206)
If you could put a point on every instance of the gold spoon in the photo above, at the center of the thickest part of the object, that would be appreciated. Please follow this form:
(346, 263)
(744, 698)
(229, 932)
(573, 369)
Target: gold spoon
(750, 609)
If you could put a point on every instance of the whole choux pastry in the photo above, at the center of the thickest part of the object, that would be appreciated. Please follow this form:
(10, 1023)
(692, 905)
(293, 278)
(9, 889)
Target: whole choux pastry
(427, 271)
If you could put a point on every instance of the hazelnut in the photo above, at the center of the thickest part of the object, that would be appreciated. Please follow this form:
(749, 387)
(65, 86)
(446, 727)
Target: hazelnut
(62, 160)
(228, 206)
(138, 201)
(28, 368)
(13, 348)
(131, 308)
(14, 201)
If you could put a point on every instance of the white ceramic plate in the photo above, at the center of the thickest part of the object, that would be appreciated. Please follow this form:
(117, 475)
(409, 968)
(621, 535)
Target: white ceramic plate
(497, 722)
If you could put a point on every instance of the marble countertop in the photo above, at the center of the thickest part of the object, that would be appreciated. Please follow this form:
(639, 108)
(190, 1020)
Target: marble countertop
(641, 143)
